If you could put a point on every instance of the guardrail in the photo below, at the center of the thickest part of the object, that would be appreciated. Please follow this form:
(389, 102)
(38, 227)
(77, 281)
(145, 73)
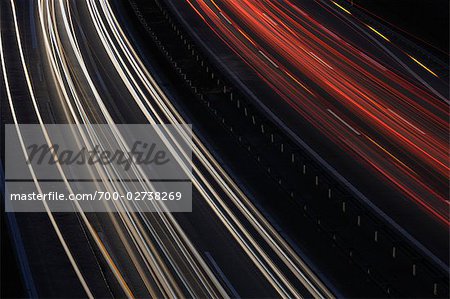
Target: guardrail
(383, 253)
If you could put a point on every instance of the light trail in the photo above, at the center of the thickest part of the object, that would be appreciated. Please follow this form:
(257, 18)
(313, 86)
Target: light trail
(378, 33)
(357, 85)
(152, 87)
(133, 229)
(424, 66)
(73, 82)
(341, 7)
(72, 88)
(30, 168)
(344, 122)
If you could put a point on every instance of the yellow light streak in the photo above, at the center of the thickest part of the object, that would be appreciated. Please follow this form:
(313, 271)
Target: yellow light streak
(422, 65)
(341, 7)
(377, 32)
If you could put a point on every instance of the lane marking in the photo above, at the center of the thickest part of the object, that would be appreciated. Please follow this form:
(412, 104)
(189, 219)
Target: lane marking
(226, 19)
(344, 122)
(406, 121)
(320, 60)
(270, 19)
(222, 275)
(270, 60)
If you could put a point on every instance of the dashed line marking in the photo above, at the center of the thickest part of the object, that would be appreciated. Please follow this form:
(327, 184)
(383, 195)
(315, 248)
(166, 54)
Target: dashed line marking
(406, 121)
(270, 60)
(320, 60)
(226, 19)
(344, 122)
(270, 19)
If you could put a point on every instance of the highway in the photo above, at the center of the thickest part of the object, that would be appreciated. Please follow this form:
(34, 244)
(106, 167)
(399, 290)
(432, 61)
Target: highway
(375, 113)
(71, 62)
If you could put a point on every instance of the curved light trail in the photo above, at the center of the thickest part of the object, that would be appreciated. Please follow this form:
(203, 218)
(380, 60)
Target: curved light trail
(390, 124)
(160, 253)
